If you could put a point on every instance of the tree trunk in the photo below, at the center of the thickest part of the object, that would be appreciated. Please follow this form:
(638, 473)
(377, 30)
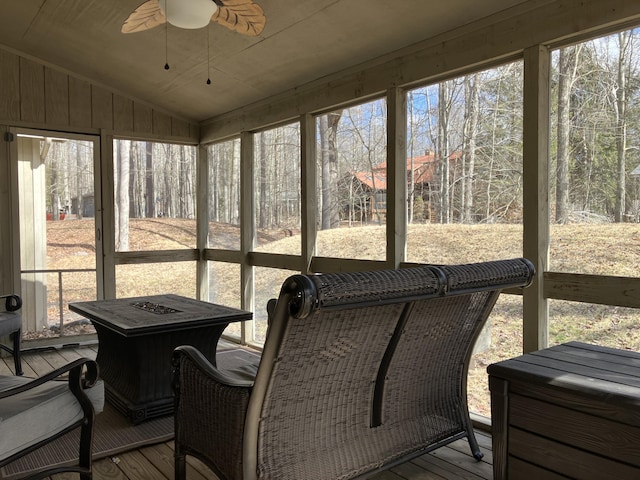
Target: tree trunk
(54, 185)
(443, 150)
(78, 172)
(411, 191)
(186, 187)
(150, 194)
(122, 196)
(134, 206)
(262, 186)
(566, 76)
(329, 164)
(621, 124)
(216, 156)
(470, 132)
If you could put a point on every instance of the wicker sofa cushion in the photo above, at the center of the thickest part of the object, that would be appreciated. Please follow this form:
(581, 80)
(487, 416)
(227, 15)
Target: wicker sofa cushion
(9, 322)
(39, 413)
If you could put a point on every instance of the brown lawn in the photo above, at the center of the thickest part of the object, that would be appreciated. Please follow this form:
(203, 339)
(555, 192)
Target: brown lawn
(608, 249)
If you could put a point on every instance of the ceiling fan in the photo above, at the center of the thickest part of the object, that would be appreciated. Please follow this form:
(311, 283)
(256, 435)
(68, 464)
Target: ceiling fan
(242, 16)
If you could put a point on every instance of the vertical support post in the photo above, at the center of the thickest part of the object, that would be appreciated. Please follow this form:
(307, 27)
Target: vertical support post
(309, 208)
(247, 230)
(397, 177)
(9, 237)
(202, 226)
(536, 193)
(31, 228)
(100, 212)
(60, 302)
(105, 218)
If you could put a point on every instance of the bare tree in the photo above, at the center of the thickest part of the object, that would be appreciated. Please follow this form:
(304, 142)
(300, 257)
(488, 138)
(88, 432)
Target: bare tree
(411, 191)
(170, 174)
(122, 195)
(136, 201)
(329, 165)
(262, 183)
(150, 202)
(443, 149)
(469, 145)
(186, 191)
(620, 95)
(54, 180)
(369, 147)
(224, 182)
(567, 70)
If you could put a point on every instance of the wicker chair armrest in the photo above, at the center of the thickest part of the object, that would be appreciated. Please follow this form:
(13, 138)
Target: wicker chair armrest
(12, 302)
(210, 412)
(206, 367)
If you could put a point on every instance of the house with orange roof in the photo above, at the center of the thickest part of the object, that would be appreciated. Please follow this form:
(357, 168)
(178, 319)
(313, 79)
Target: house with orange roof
(365, 198)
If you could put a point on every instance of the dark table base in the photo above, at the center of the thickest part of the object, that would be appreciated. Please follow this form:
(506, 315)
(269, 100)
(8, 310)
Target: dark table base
(137, 370)
(137, 337)
(138, 413)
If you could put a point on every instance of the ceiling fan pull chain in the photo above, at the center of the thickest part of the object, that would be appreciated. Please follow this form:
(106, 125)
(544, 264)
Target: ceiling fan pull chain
(166, 37)
(208, 58)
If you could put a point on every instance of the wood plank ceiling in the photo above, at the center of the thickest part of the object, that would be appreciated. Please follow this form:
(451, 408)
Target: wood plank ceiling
(303, 40)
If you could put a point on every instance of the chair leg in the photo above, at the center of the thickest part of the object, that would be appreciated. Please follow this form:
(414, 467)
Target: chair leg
(17, 336)
(180, 467)
(473, 443)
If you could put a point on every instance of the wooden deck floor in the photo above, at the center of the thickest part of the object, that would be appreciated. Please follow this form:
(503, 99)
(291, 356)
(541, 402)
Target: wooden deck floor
(156, 462)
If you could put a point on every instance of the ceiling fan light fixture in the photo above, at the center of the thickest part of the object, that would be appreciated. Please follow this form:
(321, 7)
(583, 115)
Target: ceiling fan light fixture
(188, 13)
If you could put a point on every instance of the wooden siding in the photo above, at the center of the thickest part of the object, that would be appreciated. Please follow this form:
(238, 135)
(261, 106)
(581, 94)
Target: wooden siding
(79, 102)
(39, 96)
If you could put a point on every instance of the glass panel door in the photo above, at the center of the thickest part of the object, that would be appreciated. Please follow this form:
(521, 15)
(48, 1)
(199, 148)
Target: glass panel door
(57, 206)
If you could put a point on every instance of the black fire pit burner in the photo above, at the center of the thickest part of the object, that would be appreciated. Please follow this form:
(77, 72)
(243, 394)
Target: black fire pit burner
(154, 308)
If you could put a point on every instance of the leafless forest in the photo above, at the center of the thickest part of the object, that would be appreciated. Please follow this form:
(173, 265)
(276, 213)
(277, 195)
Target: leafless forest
(464, 155)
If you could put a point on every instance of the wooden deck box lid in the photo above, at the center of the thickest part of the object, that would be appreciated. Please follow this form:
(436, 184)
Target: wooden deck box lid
(606, 374)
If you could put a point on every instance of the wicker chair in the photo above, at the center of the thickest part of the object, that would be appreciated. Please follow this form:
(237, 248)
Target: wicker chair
(360, 371)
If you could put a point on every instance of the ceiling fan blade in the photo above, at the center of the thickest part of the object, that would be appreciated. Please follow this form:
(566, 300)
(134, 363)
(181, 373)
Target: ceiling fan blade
(242, 16)
(146, 16)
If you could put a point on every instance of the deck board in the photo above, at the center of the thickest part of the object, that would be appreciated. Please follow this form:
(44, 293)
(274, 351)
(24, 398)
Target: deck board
(452, 462)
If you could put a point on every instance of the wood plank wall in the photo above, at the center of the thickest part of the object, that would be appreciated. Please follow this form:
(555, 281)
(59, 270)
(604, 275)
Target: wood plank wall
(37, 96)
(34, 95)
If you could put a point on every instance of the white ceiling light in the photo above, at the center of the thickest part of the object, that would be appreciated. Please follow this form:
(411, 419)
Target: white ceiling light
(188, 13)
(242, 16)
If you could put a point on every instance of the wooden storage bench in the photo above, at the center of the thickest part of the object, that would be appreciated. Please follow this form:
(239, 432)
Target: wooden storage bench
(572, 410)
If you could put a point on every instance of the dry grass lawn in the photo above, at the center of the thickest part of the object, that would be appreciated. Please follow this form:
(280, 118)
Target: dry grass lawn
(607, 249)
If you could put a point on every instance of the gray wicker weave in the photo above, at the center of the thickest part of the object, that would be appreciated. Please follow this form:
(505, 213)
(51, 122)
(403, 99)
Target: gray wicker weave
(359, 371)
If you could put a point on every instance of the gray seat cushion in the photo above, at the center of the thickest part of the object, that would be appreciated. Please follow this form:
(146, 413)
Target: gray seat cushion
(39, 413)
(9, 323)
(243, 373)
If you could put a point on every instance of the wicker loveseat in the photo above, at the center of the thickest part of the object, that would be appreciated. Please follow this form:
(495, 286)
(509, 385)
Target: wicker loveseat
(359, 371)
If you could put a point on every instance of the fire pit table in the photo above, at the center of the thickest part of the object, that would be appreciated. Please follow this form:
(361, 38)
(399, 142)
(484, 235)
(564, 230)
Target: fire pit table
(136, 339)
